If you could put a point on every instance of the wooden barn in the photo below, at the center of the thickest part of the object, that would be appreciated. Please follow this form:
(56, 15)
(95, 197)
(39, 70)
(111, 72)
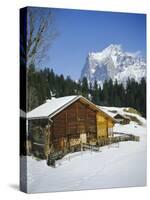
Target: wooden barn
(62, 124)
(122, 119)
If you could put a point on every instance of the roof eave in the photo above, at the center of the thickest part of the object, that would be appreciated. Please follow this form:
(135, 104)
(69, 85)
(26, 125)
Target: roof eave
(41, 117)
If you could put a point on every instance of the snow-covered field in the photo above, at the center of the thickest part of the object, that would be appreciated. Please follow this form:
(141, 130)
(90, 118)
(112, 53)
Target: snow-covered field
(113, 166)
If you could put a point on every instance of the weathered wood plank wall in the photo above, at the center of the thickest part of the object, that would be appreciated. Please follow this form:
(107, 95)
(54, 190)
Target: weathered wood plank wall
(73, 121)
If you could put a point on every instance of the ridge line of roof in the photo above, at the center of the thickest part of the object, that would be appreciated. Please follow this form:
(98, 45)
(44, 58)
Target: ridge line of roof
(64, 106)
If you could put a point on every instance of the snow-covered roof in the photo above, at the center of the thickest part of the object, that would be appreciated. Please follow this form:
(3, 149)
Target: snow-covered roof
(121, 115)
(56, 105)
(51, 106)
(111, 114)
(22, 113)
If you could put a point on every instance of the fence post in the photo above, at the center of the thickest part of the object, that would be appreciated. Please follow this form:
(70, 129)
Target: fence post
(81, 148)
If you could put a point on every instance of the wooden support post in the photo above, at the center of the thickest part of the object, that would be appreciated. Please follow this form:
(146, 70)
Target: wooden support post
(47, 139)
(86, 124)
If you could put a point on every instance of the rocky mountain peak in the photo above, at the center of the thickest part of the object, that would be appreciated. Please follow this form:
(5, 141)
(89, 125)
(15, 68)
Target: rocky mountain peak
(114, 63)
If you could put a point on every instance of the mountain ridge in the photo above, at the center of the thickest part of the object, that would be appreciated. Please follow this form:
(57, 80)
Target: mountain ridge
(113, 63)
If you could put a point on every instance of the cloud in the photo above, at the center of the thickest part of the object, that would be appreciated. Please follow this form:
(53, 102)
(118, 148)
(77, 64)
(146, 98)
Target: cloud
(134, 54)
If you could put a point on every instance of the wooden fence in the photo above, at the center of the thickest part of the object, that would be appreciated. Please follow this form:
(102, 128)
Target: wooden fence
(123, 137)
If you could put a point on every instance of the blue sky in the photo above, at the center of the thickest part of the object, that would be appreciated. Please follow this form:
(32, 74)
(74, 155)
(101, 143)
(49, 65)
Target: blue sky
(81, 32)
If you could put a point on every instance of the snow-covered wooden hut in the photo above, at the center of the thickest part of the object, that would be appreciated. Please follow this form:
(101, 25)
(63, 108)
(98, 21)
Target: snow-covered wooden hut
(122, 119)
(66, 122)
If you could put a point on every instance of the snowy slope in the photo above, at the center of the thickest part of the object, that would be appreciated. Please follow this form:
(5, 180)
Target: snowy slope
(112, 167)
(113, 63)
(112, 111)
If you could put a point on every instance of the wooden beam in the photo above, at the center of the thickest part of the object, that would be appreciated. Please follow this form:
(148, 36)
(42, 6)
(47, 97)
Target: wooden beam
(86, 120)
(66, 122)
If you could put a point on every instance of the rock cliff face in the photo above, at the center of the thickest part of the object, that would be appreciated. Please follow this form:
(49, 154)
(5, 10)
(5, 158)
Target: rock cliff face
(113, 63)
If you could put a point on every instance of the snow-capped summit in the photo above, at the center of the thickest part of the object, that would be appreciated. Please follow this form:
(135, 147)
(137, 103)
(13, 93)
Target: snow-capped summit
(113, 63)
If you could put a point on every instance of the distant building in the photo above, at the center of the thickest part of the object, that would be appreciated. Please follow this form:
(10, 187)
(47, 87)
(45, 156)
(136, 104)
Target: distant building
(122, 119)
